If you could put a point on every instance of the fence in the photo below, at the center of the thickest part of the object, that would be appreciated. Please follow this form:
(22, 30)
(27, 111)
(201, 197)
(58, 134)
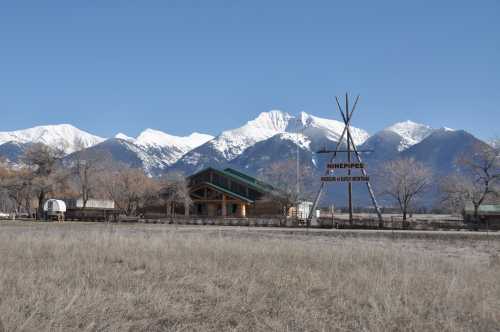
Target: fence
(390, 222)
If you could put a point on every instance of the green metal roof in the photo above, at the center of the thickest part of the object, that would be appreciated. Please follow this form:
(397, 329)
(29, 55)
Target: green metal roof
(241, 175)
(483, 208)
(247, 179)
(227, 191)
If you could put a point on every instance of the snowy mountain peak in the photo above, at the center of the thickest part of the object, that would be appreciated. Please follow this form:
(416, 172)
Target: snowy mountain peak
(317, 127)
(64, 136)
(233, 142)
(158, 150)
(158, 138)
(267, 124)
(411, 133)
(274, 120)
(198, 139)
(124, 137)
(406, 125)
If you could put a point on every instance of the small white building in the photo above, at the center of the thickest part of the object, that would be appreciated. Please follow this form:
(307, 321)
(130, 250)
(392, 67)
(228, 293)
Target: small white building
(304, 209)
(92, 203)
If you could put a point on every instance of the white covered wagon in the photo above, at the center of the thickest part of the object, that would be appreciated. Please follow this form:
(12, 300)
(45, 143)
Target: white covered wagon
(54, 209)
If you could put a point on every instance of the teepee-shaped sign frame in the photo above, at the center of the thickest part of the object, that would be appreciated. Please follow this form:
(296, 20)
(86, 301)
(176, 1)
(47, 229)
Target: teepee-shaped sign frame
(352, 151)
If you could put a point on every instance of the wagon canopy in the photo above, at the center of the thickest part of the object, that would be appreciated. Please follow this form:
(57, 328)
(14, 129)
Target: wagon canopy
(54, 205)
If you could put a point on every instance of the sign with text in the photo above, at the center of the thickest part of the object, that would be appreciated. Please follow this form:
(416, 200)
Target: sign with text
(345, 165)
(344, 178)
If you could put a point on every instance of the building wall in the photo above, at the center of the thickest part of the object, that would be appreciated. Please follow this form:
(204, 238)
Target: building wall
(265, 208)
(91, 203)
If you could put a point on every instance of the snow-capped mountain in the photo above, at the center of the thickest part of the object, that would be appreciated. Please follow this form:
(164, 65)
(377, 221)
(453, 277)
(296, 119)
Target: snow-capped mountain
(63, 136)
(232, 143)
(277, 148)
(390, 142)
(167, 149)
(271, 137)
(410, 132)
(125, 152)
(153, 150)
(441, 149)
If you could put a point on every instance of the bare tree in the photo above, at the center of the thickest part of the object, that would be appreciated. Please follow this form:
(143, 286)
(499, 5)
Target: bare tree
(404, 180)
(476, 180)
(130, 188)
(282, 176)
(5, 200)
(175, 191)
(86, 167)
(18, 188)
(43, 161)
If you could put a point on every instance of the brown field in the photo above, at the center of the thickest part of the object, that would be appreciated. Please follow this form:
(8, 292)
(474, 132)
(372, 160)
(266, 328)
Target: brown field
(101, 277)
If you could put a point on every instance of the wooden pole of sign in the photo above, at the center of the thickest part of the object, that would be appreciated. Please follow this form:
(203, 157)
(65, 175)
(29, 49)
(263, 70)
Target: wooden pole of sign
(349, 139)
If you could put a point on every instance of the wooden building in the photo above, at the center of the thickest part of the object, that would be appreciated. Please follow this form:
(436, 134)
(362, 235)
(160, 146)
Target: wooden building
(230, 193)
(486, 213)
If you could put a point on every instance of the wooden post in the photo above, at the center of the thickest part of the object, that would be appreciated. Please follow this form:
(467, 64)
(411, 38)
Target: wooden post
(243, 210)
(349, 138)
(186, 209)
(223, 210)
(211, 209)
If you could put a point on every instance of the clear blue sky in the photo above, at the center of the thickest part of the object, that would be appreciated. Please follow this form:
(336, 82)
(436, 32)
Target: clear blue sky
(183, 66)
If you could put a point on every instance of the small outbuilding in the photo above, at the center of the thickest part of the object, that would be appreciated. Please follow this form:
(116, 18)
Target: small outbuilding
(486, 213)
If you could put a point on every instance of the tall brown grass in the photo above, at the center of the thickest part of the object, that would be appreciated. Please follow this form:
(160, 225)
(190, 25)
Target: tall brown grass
(63, 278)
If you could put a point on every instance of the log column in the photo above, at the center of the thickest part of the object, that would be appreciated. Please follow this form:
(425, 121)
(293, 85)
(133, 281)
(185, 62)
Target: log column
(212, 209)
(243, 210)
(224, 207)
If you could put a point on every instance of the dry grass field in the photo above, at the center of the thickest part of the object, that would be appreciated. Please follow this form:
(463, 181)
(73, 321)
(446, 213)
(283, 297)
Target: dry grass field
(97, 277)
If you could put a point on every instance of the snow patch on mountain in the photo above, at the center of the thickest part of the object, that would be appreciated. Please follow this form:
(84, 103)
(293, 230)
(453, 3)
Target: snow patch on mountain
(124, 137)
(192, 158)
(316, 127)
(63, 136)
(301, 140)
(159, 138)
(411, 133)
(151, 162)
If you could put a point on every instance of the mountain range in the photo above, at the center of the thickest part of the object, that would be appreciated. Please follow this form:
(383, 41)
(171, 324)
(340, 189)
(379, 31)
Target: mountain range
(271, 136)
